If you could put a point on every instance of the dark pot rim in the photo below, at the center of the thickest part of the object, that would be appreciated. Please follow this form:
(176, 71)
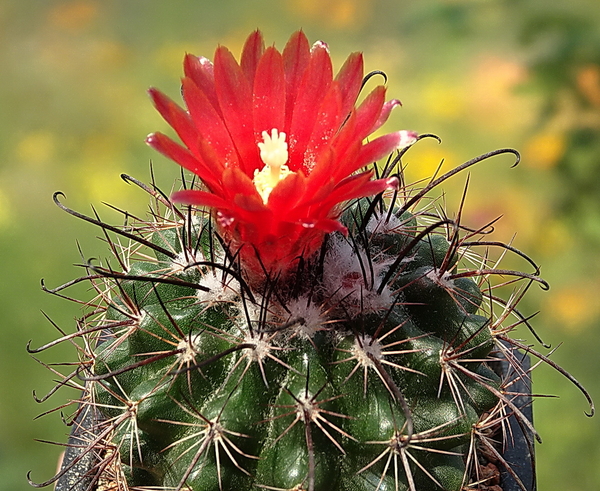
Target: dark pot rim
(519, 452)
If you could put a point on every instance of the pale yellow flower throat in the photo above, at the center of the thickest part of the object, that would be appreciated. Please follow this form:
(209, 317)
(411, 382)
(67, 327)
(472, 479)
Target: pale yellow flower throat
(274, 154)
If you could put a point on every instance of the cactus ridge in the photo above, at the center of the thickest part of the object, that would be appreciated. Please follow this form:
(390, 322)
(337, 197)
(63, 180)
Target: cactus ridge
(372, 366)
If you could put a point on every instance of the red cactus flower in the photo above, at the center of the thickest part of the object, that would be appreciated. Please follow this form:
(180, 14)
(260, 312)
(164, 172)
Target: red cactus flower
(278, 144)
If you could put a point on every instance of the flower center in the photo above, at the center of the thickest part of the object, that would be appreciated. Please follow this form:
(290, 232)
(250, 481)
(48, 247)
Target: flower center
(274, 154)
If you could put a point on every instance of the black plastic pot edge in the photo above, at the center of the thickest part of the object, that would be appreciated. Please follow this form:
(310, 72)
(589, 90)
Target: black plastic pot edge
(519, 451)
(79, 465)
(78, 470)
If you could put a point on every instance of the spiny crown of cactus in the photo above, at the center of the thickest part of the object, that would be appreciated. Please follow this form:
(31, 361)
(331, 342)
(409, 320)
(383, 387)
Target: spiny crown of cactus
(295, 325)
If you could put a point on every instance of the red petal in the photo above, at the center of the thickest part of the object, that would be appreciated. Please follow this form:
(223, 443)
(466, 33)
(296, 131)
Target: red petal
(327, 225)
(235, 181)
(177, 118)
(328, 122)
(368, 112)
(250, 204)
(296, 55)
(163, 144)
(360, 185)
(346, 136)
(269, 94)
(312, 89)
(320, 176)
(200, 198)
(343, 189)
(350, 79)
(384, 145)
(372, 188)
(385, 114)
(251, 53)
(235, 99)
(201, 71)
(323, 193)
(357, 186)
(287, 193)
(209, 122)
(337, 164)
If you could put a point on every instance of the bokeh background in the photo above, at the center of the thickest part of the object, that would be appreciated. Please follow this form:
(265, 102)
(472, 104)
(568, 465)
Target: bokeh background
(482, 74)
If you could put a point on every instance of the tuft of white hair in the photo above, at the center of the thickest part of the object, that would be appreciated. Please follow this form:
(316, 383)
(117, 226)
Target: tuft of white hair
(220, 290)
(308, 317)
(344, 278)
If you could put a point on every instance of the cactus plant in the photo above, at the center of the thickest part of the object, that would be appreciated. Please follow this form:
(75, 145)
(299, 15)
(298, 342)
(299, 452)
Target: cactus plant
(293, 324)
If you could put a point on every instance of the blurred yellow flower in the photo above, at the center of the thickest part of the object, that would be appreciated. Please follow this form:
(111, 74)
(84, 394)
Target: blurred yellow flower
(73, 16)
(554, 238)
(5, 210)
(337, 13)
(36, 148)
(493, 101)
(444, 101)
(588, 82)
(100, 164)
(544, 150)
(574, 307)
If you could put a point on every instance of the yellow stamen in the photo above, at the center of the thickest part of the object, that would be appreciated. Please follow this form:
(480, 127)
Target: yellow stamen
(274, 154)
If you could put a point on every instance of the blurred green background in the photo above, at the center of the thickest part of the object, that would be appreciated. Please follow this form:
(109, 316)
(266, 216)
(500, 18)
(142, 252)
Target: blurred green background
(482, 74)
